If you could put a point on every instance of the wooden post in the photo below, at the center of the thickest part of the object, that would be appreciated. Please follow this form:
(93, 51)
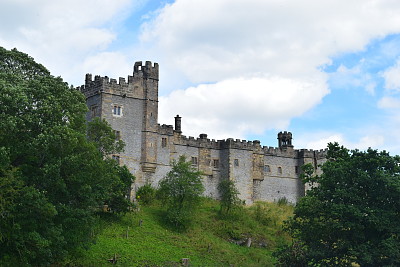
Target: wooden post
(185, 262)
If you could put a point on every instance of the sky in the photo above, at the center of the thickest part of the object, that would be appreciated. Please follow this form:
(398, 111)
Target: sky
(245, 69)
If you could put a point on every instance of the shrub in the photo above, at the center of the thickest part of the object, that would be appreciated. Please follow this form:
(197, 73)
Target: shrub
(146, 194)
(181, 189)
(229, 197)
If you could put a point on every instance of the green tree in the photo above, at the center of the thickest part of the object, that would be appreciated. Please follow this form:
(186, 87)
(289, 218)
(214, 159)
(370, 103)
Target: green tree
(101, 133)
(146, 194)
(52, 177)
(351, 214)
(181, 189)
(229, 197)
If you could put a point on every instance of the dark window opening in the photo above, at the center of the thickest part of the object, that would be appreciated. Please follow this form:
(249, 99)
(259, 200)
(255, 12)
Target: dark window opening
(267, 168)
(216, 163)
(117, 110)
(117, 135)
(236, 162)
(164, 142)
(94, 111)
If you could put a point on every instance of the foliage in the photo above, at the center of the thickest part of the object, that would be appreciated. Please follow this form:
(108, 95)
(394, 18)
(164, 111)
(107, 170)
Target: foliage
(100, 132)
(119, 186)
(146, 194)
(52, 177)
(181, 189)
(229, 197)
(351, 213)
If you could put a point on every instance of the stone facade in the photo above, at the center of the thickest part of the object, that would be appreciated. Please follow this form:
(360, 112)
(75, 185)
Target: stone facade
(131, 107)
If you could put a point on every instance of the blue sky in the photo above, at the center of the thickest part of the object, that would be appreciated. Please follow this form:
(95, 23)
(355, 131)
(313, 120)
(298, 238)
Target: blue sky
(324, 70)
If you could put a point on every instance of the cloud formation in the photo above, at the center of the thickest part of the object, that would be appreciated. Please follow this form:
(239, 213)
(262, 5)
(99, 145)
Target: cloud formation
(391, 76)
(239, 106)
(62, 33)
(235, 51)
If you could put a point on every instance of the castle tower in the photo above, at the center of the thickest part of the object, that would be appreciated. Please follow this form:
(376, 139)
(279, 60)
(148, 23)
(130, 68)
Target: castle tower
(131, 108)
(149, 78)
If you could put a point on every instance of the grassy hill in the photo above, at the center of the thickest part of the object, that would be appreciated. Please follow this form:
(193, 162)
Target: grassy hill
(142, 239)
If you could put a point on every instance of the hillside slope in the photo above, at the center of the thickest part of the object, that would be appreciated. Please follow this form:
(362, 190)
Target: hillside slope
(142, 239)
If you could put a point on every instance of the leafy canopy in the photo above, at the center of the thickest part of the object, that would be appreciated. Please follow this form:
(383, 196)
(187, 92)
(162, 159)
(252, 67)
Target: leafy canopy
(351, 214)
(181, 190)
(52, 178)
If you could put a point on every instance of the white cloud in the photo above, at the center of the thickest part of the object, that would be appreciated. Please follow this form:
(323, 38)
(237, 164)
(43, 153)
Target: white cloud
(389, 103)
(110, 64)
(375, 140)
(354, 77)
(236, 107)
(61, 34)
(288, 40)
(391, 76)
(231, 38)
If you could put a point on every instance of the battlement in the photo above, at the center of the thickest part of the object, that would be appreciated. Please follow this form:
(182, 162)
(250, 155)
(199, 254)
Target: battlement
(147, 71)
(130, 88)
(165, 129)
(309, 153)
(203, 142)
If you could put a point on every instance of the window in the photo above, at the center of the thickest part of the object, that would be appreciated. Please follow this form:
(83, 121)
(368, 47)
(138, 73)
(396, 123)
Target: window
(117, 110)
(94, 111)
(236, 162)
(267, 168)
(296, 169)
(194, 160)
(163, 142)
(279, 170)
(116, 158)
(117, 135)
(216, 163)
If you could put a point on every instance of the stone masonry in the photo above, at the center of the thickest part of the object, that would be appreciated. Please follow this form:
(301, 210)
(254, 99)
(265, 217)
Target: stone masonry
(131, 108)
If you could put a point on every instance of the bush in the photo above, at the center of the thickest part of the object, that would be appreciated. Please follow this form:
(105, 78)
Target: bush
(181, 190)
(229, 197)
(146, 194)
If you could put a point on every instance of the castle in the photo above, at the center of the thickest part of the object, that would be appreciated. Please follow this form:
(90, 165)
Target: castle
(131, 108)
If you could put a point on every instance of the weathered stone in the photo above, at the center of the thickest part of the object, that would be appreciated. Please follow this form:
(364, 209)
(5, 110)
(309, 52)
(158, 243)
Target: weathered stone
(131, 107)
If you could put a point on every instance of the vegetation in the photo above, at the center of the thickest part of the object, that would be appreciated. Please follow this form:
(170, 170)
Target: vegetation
(229, 197)
(146, 194)
(181, 190)
(209, 241)
(52, 178)
(351, 215)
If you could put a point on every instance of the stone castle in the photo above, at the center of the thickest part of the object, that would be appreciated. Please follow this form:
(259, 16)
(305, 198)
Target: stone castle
(131, 108)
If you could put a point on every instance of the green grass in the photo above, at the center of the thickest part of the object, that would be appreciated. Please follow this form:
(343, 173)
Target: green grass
(208, 242)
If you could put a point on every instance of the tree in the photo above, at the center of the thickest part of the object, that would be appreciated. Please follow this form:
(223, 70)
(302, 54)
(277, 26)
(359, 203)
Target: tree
(181, 189)
(101, 133)
(229, 196)
(351, 214)
(52, 177)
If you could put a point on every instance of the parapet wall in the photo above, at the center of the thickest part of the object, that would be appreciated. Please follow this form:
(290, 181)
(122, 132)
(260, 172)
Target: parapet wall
(131, 88)
(230, 143)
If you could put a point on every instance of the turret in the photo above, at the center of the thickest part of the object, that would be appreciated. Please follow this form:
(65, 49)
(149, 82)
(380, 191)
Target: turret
(285, 139)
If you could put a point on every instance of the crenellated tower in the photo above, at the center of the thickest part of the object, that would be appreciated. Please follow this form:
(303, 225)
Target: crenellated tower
(148, 74)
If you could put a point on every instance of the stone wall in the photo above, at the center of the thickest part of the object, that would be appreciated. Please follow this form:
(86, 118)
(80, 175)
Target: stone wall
(259, 172)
